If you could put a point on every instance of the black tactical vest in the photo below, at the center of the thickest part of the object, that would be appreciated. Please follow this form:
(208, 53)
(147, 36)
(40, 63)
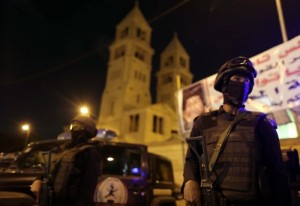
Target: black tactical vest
(66, 169)
(237, 169)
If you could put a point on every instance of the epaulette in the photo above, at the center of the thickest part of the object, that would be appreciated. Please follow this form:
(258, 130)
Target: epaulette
(209, 119)
(261, 115)
(195, 119)
(254, 115)
(211, 113)
(252, 118)
(257, 113)
(207, 114)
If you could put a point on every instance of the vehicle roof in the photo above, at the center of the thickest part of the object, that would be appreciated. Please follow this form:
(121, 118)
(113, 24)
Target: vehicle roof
(112, 142)
(48, 141)
(44, 145)
(159, 156)
(48, 144)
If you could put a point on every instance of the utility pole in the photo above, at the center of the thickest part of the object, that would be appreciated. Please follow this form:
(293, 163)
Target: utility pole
(182, 139)
(281, 21)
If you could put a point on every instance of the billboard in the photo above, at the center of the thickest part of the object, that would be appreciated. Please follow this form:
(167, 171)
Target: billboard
(277, 85)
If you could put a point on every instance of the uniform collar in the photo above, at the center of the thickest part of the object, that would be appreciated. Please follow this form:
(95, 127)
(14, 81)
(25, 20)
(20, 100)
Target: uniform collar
(221, 110)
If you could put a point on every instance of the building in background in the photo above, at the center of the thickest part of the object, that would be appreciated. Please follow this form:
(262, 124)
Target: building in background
(126, 105)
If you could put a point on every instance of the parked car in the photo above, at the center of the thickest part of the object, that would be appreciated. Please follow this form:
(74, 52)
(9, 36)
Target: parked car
(18, 176)
(130, 174)
(6, 159)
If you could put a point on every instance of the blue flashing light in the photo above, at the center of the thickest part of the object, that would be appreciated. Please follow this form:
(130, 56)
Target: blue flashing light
(135, 170)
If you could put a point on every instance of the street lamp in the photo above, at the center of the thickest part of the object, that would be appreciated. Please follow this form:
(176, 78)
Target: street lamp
(84, 110)
(26, 128)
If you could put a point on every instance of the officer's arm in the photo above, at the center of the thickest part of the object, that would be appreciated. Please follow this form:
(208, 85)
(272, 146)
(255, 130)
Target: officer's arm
(191, 185)
(273, 162)
(191, 167)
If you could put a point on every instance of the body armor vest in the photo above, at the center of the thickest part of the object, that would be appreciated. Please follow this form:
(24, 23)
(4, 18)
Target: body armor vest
(66, 170)
(237, 169)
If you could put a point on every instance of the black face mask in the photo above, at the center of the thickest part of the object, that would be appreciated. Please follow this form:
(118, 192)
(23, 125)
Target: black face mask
(76, 135)
(236, 93)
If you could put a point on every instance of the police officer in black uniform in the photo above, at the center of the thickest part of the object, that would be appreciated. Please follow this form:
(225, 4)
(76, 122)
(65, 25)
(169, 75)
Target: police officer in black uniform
(250, 169)
(76, 169)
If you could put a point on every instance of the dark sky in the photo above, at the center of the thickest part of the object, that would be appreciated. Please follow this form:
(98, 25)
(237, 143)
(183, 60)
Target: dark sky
(54, 52)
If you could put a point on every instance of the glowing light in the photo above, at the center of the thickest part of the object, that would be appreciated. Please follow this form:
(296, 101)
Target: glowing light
(135, 170)
(84, 110)
(25, 127)
(110, 159)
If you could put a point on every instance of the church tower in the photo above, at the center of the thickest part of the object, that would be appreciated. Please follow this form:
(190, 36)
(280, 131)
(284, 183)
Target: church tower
(129, 71)
(174, 72)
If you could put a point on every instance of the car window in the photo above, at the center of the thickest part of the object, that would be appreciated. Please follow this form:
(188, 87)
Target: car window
(35, 159)
(32, 159)
(164, 171)
(121, 161)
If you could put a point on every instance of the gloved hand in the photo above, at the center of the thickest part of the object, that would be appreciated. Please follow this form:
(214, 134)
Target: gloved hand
(36, 187)
(191, 193)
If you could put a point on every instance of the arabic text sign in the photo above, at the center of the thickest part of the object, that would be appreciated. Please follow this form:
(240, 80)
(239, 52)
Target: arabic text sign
(277, 85)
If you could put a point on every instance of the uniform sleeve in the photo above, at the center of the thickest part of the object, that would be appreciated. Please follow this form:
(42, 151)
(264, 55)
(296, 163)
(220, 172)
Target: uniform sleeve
(273, 162)
(191, 166)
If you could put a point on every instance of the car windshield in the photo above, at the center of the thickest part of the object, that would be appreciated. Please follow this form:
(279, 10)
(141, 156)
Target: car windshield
(36, 157)
(121, 161)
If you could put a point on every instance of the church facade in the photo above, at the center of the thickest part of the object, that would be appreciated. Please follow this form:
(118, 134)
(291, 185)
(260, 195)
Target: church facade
(126, 104)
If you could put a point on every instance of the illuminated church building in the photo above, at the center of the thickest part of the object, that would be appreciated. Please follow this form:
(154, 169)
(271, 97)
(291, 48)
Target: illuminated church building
(126, 100)
(126, 105)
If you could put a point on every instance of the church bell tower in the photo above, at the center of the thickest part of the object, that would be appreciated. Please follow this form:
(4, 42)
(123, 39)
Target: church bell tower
(174, 72)
(129, 71)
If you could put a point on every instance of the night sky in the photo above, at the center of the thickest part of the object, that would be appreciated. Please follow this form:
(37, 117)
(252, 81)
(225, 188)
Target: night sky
(54, 53)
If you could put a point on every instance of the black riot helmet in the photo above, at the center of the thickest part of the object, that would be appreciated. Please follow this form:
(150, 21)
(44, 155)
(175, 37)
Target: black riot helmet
(82, 123)
(238, 65)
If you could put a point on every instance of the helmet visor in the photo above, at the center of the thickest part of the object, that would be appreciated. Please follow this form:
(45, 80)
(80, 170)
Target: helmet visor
(76, 126)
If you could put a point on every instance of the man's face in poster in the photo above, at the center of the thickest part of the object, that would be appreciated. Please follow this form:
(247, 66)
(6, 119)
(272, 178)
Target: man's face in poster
(193, 108)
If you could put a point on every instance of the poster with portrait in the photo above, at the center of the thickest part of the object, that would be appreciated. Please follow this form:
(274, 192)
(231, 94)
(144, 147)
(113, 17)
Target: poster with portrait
(277, 85)
(191, 104)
